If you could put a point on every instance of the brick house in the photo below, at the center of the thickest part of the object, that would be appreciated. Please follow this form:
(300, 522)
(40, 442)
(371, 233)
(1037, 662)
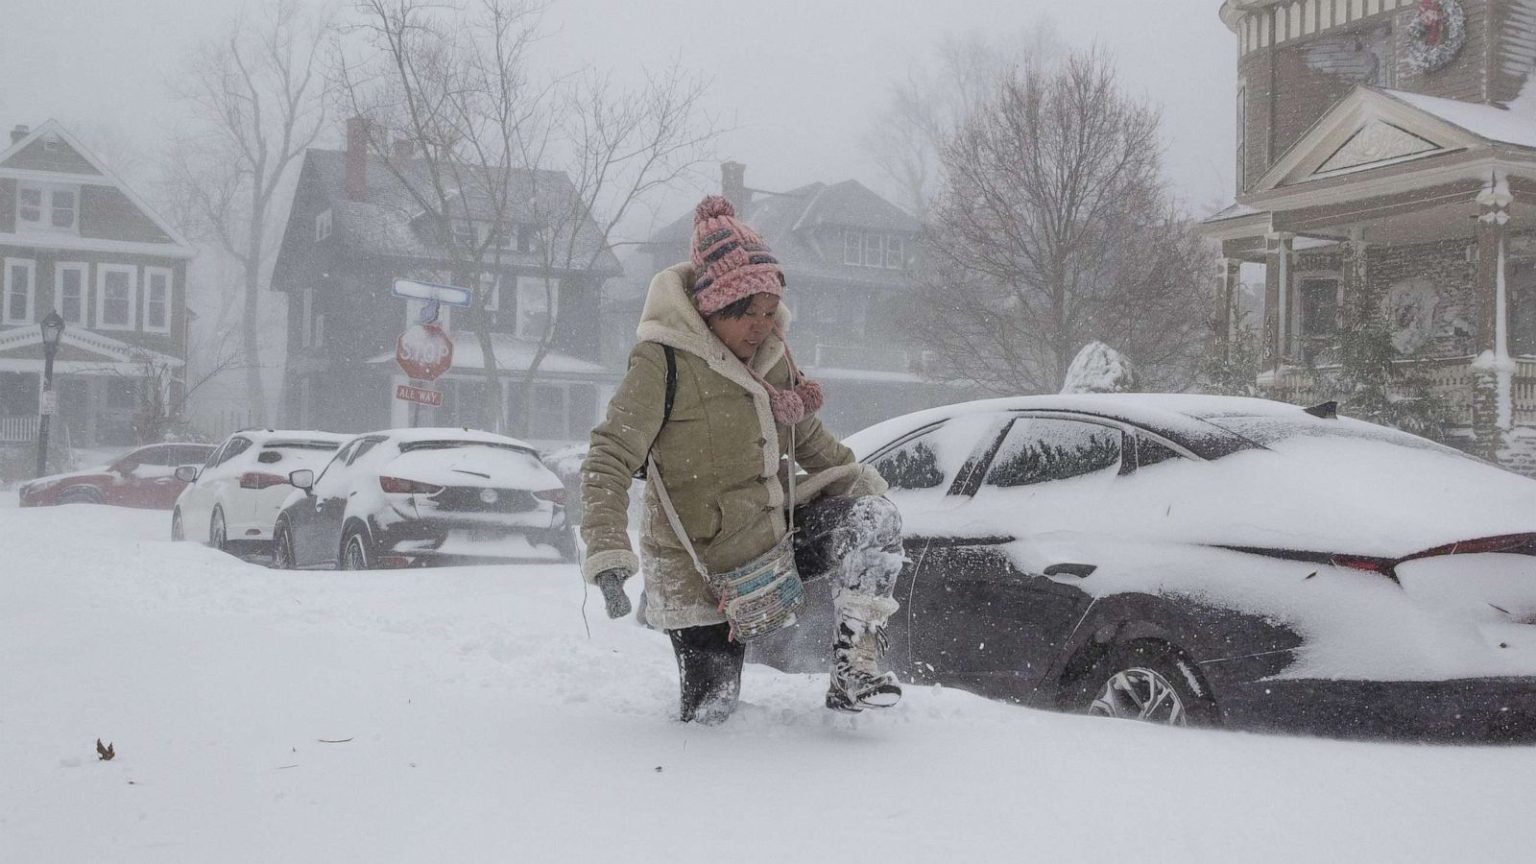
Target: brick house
(847, 257)
(1386, 149)
(353, 230)
(75, 238)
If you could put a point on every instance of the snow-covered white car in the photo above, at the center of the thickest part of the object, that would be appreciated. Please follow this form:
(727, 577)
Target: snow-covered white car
(231, 503)
(1206, 559)
(404, 497)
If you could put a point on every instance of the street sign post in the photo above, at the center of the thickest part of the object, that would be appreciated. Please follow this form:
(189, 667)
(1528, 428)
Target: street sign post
(424, 352)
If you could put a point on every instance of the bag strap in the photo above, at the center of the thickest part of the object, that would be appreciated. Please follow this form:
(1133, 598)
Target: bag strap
(653, 475)
(666, 411)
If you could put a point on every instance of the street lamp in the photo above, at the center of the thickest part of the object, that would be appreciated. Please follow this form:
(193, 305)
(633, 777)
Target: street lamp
(47, 404)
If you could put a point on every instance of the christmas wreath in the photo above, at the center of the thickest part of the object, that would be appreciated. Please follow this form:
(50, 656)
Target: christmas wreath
(1436, 34)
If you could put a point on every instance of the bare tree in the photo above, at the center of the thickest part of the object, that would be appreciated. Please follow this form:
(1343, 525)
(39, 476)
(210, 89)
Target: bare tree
(509, 168)
(257, 99)
(927, 108)
(1052, 229)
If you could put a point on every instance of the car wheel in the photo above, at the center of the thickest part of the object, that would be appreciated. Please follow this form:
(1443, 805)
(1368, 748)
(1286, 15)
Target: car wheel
(80, 495)
(355, 554)
(218, 533)
(282, 549)
(1148, 681)
(178, 533)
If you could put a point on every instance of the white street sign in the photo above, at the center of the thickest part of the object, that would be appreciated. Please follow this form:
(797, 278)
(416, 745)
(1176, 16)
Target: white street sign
(49, 403)
(450, 294)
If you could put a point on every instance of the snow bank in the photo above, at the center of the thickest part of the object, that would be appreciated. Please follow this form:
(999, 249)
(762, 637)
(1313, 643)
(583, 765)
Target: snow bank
(465, 714)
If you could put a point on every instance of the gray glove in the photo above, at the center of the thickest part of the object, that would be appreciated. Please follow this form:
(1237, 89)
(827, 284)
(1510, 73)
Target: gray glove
(611, 583)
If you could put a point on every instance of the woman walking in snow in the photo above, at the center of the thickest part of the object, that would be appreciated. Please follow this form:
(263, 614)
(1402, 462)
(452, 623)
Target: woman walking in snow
(718, 436)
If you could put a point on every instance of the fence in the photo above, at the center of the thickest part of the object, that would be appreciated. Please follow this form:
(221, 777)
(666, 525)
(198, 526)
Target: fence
(16, 430)
(1452, 379)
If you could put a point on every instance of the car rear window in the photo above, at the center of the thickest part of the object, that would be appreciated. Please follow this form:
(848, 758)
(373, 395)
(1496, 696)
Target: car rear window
(411, 446)
(1268, 431)
(272, 451)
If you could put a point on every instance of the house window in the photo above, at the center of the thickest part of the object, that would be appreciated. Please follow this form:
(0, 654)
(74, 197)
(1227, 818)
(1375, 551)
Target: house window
(115, 291)
(323, 224)
(895, 253)
(44, 207)
(853, 247)
(69, 292)
(20, 290)
(525, 238)
(537, 303)
(874, 250)
(1320, 307)
(465, 234)
(157, 299)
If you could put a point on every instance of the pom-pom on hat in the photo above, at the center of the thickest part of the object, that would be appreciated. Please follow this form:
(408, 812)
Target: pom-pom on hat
(731, 259)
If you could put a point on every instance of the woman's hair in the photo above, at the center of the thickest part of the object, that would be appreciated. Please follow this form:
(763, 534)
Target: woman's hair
(735, 310)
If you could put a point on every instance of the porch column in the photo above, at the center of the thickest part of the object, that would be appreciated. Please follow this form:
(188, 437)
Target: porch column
(1224, 313)
(1493, 387)
(1355, 287)
(1278, 291)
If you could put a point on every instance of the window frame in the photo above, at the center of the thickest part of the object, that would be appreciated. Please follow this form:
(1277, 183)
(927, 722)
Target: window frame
(45, 207)
(84, 269)
(102, 270)
(30, 265)
(853, 247)
(895, 245)
(874, 243)
(1127, 444)
(170, 291)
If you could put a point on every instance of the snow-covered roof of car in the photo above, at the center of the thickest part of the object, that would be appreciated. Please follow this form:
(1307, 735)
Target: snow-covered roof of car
(1175, 413)
(278, 437)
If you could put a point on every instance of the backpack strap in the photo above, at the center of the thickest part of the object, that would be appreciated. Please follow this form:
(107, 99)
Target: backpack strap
(666, 411)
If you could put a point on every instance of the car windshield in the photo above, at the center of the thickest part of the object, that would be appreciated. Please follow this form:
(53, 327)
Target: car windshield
(1270, 430)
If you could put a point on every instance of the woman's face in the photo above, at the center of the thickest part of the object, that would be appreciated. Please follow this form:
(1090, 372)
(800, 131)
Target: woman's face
(743, 335)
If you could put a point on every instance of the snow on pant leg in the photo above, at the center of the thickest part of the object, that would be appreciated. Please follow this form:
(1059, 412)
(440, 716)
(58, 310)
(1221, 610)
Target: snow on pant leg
(856, 541)
(708, 671)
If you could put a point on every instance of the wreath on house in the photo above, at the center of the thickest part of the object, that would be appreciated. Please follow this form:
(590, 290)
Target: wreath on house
(1436, 34)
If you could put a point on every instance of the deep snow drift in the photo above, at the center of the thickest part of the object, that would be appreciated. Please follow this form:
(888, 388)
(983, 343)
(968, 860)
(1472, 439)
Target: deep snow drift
(475, 720)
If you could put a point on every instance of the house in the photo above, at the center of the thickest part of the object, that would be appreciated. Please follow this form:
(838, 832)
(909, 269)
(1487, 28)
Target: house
(847, 255)
(75, 238)
(1386, 161)
(354, 229)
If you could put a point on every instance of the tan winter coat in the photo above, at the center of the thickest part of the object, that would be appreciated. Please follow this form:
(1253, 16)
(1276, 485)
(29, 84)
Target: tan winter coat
(719, 456)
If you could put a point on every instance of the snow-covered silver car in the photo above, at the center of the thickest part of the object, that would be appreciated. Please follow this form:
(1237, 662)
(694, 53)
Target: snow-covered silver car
(404, 497)
(1207, 559)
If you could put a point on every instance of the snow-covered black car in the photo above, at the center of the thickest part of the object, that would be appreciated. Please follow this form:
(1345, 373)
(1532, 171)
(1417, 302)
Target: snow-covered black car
(404, 497)
(1206, 560)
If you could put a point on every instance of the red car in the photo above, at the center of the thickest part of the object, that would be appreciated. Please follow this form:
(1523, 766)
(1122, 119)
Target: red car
(144, 477)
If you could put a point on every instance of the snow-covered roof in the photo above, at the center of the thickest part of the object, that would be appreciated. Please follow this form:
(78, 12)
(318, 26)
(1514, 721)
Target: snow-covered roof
(1234, 211)
(512, 355)
(1485, 121)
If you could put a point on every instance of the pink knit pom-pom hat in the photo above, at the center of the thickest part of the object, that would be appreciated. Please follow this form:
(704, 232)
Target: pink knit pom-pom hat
(731, 259)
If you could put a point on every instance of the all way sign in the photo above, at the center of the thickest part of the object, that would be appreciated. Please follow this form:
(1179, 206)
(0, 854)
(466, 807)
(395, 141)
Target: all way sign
(419, 395)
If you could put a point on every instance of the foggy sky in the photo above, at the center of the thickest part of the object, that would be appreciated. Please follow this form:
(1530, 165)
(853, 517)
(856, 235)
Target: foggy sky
(799, 79)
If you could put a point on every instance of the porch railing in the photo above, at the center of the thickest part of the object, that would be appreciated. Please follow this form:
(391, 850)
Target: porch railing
(15, 430)
(1451, 379)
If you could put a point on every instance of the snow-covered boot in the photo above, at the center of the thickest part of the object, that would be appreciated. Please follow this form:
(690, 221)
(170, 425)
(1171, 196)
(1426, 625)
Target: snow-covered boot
(857, 682)
(708, 671)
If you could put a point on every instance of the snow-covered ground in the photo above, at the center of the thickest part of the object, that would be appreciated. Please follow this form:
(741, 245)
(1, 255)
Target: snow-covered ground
(466, 715)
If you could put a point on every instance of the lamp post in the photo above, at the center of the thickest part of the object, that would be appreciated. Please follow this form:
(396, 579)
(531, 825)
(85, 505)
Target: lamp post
(47, 403)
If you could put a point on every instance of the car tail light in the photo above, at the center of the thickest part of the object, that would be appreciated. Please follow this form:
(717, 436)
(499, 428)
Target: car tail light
(398, 486)
(1518, 544)
(260, 480)
(554, 495)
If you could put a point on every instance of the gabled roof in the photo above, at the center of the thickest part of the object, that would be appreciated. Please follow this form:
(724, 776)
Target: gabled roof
(390, 221)
(80, 165)
(788, 222)
(1373, 128)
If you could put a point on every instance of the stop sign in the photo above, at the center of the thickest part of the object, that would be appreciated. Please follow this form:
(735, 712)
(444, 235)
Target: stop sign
(424, 352)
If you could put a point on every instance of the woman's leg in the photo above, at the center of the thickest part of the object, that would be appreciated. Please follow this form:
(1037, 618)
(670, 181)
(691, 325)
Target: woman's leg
(708, 672)
(857, 543)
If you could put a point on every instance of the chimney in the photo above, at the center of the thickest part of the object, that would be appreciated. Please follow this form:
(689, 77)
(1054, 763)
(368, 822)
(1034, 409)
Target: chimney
(357, 159)
(733, 184)
(19, 132)
(403, 148)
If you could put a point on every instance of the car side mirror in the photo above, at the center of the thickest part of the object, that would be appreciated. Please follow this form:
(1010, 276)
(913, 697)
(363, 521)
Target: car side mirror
(123, 468)
(186, 473)
(303, 478)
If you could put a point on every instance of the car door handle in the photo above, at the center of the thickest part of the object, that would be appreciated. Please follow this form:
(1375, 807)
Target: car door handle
(1079, 571)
